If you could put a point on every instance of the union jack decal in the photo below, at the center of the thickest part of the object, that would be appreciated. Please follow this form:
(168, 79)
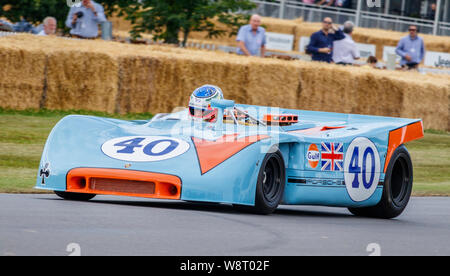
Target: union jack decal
(332, 156)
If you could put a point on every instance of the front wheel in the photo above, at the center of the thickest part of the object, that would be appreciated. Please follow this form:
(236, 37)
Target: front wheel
(397, 188)
(75, 196)
(269, 186)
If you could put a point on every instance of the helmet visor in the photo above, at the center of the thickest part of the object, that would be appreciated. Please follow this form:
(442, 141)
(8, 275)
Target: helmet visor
(201, 113)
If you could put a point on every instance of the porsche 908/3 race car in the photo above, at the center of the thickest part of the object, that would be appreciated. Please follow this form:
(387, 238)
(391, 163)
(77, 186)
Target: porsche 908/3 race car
(255, 158)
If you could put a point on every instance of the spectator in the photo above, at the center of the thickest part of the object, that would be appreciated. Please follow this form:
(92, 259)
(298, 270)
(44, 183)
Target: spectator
(321, 44)
(83, 20)
(326, 3)
(345, 50)
(23, 26)
(6, 26)
(432, 12)
(49, 27)
(252, 38)
(372, 62)
(309, 1)
(412, 49)
(347, 4)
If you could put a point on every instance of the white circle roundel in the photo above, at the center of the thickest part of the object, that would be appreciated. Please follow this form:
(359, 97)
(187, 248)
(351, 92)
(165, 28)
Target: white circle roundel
(144, 148)
(361, 169)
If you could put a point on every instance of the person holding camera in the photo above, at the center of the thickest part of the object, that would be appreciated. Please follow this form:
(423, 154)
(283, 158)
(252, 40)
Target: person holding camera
(83, 19)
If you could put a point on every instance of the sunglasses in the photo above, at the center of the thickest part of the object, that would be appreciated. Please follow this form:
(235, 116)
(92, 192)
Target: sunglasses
(413, 30)
(328, 22)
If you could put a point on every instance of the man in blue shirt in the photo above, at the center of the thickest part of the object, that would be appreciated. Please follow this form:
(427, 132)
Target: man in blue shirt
(83, 19)
(321, 44)
(252, 38)
(412, 49)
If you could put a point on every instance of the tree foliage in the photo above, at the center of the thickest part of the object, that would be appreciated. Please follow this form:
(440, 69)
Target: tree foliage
(167, 19)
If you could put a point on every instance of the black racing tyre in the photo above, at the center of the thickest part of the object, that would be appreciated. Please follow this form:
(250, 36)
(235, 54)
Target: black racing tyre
(397, 188)
(269, 186)
(75, 196)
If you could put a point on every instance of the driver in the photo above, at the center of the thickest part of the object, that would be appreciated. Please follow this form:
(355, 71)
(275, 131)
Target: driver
(200, 103)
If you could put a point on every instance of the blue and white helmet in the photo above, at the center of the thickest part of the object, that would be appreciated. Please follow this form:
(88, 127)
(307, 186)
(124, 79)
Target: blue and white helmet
(200, 102)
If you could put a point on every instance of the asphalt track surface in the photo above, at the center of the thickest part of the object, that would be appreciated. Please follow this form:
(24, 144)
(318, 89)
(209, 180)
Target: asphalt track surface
(46, 225)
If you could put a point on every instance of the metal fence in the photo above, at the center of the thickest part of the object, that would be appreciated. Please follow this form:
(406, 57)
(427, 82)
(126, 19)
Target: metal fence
(312, 13)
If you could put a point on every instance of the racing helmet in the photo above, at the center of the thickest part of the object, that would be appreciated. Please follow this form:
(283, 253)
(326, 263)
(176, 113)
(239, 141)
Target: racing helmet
(200, 102)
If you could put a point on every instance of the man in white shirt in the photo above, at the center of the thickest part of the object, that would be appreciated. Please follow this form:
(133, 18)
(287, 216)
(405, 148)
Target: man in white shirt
(345, 51)
(49, 27)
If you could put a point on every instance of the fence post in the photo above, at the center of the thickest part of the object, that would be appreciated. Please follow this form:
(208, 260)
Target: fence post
(437, 17)
(282, 8)
(387, 7)
(358, 13)
(445, 11)
(106, 30)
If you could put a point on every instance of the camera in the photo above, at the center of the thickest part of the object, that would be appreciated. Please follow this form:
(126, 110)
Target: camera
(79, 14)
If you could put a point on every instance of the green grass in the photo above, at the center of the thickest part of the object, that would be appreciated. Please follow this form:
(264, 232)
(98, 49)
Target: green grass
(22, 138)
(431, 159)
(23, 135)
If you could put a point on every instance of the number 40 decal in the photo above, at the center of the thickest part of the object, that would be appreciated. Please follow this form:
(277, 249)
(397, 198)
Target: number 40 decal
(144, 148)
(362, 169)
(129, 146)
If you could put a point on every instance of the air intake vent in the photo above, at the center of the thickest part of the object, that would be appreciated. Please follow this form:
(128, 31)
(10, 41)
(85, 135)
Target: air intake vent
(124, 183)
(122, 186)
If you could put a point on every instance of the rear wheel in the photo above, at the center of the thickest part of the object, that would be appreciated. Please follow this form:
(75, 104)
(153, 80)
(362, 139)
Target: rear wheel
(270, 185)
(397, 188)
(75, 196)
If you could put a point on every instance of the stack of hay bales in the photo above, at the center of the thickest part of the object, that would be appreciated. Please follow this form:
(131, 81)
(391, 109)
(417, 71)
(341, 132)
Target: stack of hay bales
(81, 80)
(376, 92)
(117, 77)
(22, 76)
(57, 73)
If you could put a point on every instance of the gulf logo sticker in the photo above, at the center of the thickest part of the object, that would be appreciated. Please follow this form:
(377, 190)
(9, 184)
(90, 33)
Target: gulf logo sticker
(313, 156)
(144, 148)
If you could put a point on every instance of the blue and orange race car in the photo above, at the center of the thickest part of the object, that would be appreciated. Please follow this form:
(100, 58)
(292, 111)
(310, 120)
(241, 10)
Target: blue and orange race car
(256, 158)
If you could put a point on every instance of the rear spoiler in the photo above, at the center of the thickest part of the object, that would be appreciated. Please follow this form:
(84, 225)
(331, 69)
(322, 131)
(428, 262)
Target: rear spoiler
(402, 135)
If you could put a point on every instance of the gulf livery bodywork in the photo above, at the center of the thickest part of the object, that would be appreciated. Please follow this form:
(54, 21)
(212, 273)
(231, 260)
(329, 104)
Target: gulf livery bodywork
(317, 158)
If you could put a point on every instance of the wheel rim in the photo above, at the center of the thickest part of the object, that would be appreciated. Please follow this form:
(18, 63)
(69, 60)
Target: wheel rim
(271, 181)
(400, 181)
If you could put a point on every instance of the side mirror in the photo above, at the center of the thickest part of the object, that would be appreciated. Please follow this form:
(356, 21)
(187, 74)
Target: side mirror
(222, 104)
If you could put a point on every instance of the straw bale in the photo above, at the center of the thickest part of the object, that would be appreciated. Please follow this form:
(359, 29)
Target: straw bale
(21, 78)
(110, 76)
(135, 83)
(81, 80)
(277, 25)
(375, 92)
(429, 103)
(152, 84)
(274, 83)
(327, 89)
(378, 95)
(176, 78)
